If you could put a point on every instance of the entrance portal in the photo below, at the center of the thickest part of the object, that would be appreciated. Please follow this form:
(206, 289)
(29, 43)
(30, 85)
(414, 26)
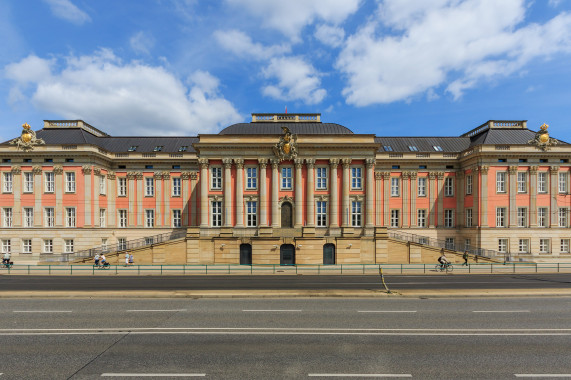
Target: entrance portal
(287, 254)
(287, 219)
(329, 254)
(245, 254)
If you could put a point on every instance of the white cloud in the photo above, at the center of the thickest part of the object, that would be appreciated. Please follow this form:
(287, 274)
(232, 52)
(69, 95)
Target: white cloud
(330, 35)
(142, 43)
(452, 43)
(65, 10)
(124, 99)
(291, 16)
(241, 44)
(296, 79)
(29, 69)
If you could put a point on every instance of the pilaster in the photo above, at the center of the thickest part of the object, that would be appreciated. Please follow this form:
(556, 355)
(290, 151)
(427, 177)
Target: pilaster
(512, 193)
(275, 193)
(228, 210)
(369, 193)
(263, 192)
(239, 192)
(298, 193)
(345, 196)
(334, 203)
(203, 162)
(533, 196)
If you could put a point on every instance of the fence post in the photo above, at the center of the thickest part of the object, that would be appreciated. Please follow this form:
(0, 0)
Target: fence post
(513, 267)
(49, 269)
(138, 269)
(28, 269)
(184, 269)
(491, 268)
(469, 268)
(251, 268)
(117, 268)
(401, 269)
(535, 267)
(557, 267)
(363, 268)
(341, 268)
(424, 269)
(228, 268)
(71, 270)
(206, 268)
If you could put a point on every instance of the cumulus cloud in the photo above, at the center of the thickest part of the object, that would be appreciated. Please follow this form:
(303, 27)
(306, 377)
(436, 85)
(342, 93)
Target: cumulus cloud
(66, 10)
(450, 43)
(142, 43)
(240, 44)
(123, 98)
(330, 35)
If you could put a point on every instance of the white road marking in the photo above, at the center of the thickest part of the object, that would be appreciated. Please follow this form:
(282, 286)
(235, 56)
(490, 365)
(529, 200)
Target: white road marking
(142, 311)
(153, 374)
(386, 311)
(359, 375)
(272, 311)
(500, 311)
(42, 311)
(542, 375)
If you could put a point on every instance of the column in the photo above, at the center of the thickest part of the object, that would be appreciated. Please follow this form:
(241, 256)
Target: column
(310, 163)
(298, 193)
(203, 162)
(460, 194)
(111, 199)
(37, 170)
(193, 195)
(386, 197)
(227, 192)
(476, 196)
(186, 203)
(131, 183)
(158, 178)
(275, 192)
(167, 214)
(378, 204)
(369, 191)
(533, 196)
(86, 170)
(239, 192)
(413, 195)
(405, 197)
(17, 192)
(554, 190)
(263, 192)
(94, 195)
(440, 193)
(432, 199)
(334, 203)
(140, 210)
(345, 196)
(512, 192)
(484, 196)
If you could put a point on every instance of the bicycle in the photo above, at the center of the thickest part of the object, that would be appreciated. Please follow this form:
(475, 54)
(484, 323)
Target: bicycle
(448, 267)
(105, 265)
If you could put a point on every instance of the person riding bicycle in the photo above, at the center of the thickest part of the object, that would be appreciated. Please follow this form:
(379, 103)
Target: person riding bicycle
(103, 260)
(6, 259)
(96, 258)
(443, 261)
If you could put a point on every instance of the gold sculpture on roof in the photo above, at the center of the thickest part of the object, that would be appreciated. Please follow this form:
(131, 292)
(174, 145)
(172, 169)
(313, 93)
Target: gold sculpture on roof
(542, 140)
(27, 139)
(286, 148)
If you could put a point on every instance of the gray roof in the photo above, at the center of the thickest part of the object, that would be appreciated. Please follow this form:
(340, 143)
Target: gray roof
(505, 136)
(423, 144)
(276, 129)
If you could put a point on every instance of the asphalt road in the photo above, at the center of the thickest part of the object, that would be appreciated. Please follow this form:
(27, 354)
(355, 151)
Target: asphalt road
(281, 282)
(497, 338)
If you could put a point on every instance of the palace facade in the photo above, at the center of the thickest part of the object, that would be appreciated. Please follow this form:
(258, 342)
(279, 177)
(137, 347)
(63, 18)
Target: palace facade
(286, 188)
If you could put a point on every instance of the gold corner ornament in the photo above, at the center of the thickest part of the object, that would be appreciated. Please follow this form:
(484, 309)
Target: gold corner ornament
(27, 140)
(542, 140)
(286, 148)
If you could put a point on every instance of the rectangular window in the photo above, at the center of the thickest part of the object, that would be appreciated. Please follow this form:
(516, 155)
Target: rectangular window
(28, 217)
(122, 186)
(70, 182)
(286, 178)
(122, 244)
(149, 240)
(542, 182)
(49, 217)
(176, 187)
(356, 214)
(500, 217)
(104, 244)
(467, 244)
(356, 178)
(422, 186)
(216, 214)
(68, 245)
(7, 246)
(522, 217)
(149, 187)
(395, 188)
(216, 178)
(449, 187)
(321, 207)
(448, 218)
(521, 182)
(49, 182)
(564, 246)
(523, 246)
(563, 187)
(102, 217)
(7, 187)
(421, 218)
(501, 182)
(251, 178)
(543, 245)
(321, 179)
(149, 218)
(542, 217)
(251, 213)
(469, 217)
(449, 243)
(48, 246)
(123, 218)
(395, 214)
(28, 182)
(102, 185)
(27, 246)
(469, 184)
(70, 217)
(502, 245)
(176, 218)
(7, 217)
(562, 217)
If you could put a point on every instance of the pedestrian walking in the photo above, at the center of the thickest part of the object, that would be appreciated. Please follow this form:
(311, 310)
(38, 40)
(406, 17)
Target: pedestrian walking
(127, 259)
(465, 257)
(96, 258)
(131, 259)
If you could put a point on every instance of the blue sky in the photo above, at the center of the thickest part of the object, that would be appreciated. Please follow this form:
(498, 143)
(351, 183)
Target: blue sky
(392, 67)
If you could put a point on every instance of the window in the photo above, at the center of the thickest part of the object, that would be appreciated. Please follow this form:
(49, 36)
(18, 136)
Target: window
(501, 182)
(176, 218)
(469, 217)
(501, 217)
(104, 244)
(122, 186)
(176, 187)
(49, 217)
(521, 182)
(422, 166)
(149, 218)
(70, 217)
(502, 160)
(122, 244)
(149, 240)
(148, 166)
(149, 186)
(412, 148)
(469, 182)
(123, 218)
(133, 148)
(564, 246)
(286, 178)
(542, 182)
(7, 188)
(321, 213)
(70, 182)
(467, 244)
(523, 246)
(7, 246)
(28, 182)
(102, 185)
(395, 218)
(216, 178)
(251, 178)
(158, 148)
(7, 160)
(321, 178)
(27, 160)
(564, 160)
(563, 182)
(448, 218)
(543, 245)
(49, 182)
(176, 166)
(449, 187)
(48, 246)
(102, 217)
(356, 214)
(437, 148)
(395, 191)
(449, 243)
(28, 217)
(502, 245)
(183, 148)
(543, 160)
(421, 218)
(7, 217)
(27, 246)
(522, 217)
(68, 245)
(562, 217)
(422, 186)
(522, 160)
(122, 166)
(542, 217)
(388, 148)
(251, 213)
(356, 178)
(395, 167)
(216, 213)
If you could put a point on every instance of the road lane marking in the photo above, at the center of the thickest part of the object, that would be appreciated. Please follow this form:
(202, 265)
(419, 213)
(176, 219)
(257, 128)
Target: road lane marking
(500, 311)
(42, 311)
(542, 375)
(272, 311)
(359, 375)
(153, 374)
(142, 311)
(386, 311)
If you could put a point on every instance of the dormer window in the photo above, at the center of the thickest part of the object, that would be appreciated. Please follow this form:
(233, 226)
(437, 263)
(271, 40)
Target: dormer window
(412, 148)
(437, 148)
(388, 148)
(133, 148)
(183, 148)
(158, 148)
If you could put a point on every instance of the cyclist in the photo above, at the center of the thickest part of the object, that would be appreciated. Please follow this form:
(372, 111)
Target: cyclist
(6, 259)
(103, 260)
(443, 261)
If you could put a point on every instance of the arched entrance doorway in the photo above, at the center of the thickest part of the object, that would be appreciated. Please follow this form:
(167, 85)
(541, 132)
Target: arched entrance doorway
(245, 254)
(329, 254)
(287, 219)
(287, 254)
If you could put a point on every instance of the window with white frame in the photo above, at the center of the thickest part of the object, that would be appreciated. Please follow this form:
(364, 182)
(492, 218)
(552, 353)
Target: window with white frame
(422, 186)
(70, 182)
(542, 217)
(286, 178)
(467, 244)
(523, 246)
(6, 246)
(68, 246)
(449, 243)
(216, 213)
(122, 218)
(522, 216)
(149, 218)
(395, 188)
(176, 187)
(102, 217)
(49, 182)
(28, 217)
(542, 182)
(102, 185)
(356, 179)
(562, 217)
(28, 182)
(321, 176)
(395, 218)
(449, 187)
(448, 218)
(469, 217)
(176, 218)
(149, 240)
(564, 246)
(356, 214)
(7, 217)
(251, 178)
(421, 218)
(216, 177)
(26, 245)
(321, 214)
(543, 245)
(7, 185)
(104, 244)
(70, 217)
(48, 246)
(122, 243)
(251, 213)
(563, 185)
(500, 217)
(121, 186)
(49, 217)
(501, 182)
(149, 186)
(502, 245)
(521, 182)
(469, 184)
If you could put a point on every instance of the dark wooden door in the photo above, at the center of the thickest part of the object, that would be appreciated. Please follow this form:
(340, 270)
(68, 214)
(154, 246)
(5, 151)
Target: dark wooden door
(287, 254)
(287, 220)
(245, 254)
(329, 254)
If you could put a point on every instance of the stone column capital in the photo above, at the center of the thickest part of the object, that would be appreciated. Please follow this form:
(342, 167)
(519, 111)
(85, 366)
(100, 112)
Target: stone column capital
(263, 162)
(310, 162)
(203, 162)
(413, 175)
(239, 163)
(440, 175)
(346, 162)
(275, 163)
(193, 175)
(86, 169)
(378, 175)
(484, 169)
(37, 169)
(97, 171)
(334, 162)
(512, 169)
(386, 175)
(227, 163)
(405, 175)
(16, 169)
(432, 175)
(370, 162)
(533, 169)
(111, 175)
(139, 175)
(554, 169)
(185, 175)
(298, 163)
